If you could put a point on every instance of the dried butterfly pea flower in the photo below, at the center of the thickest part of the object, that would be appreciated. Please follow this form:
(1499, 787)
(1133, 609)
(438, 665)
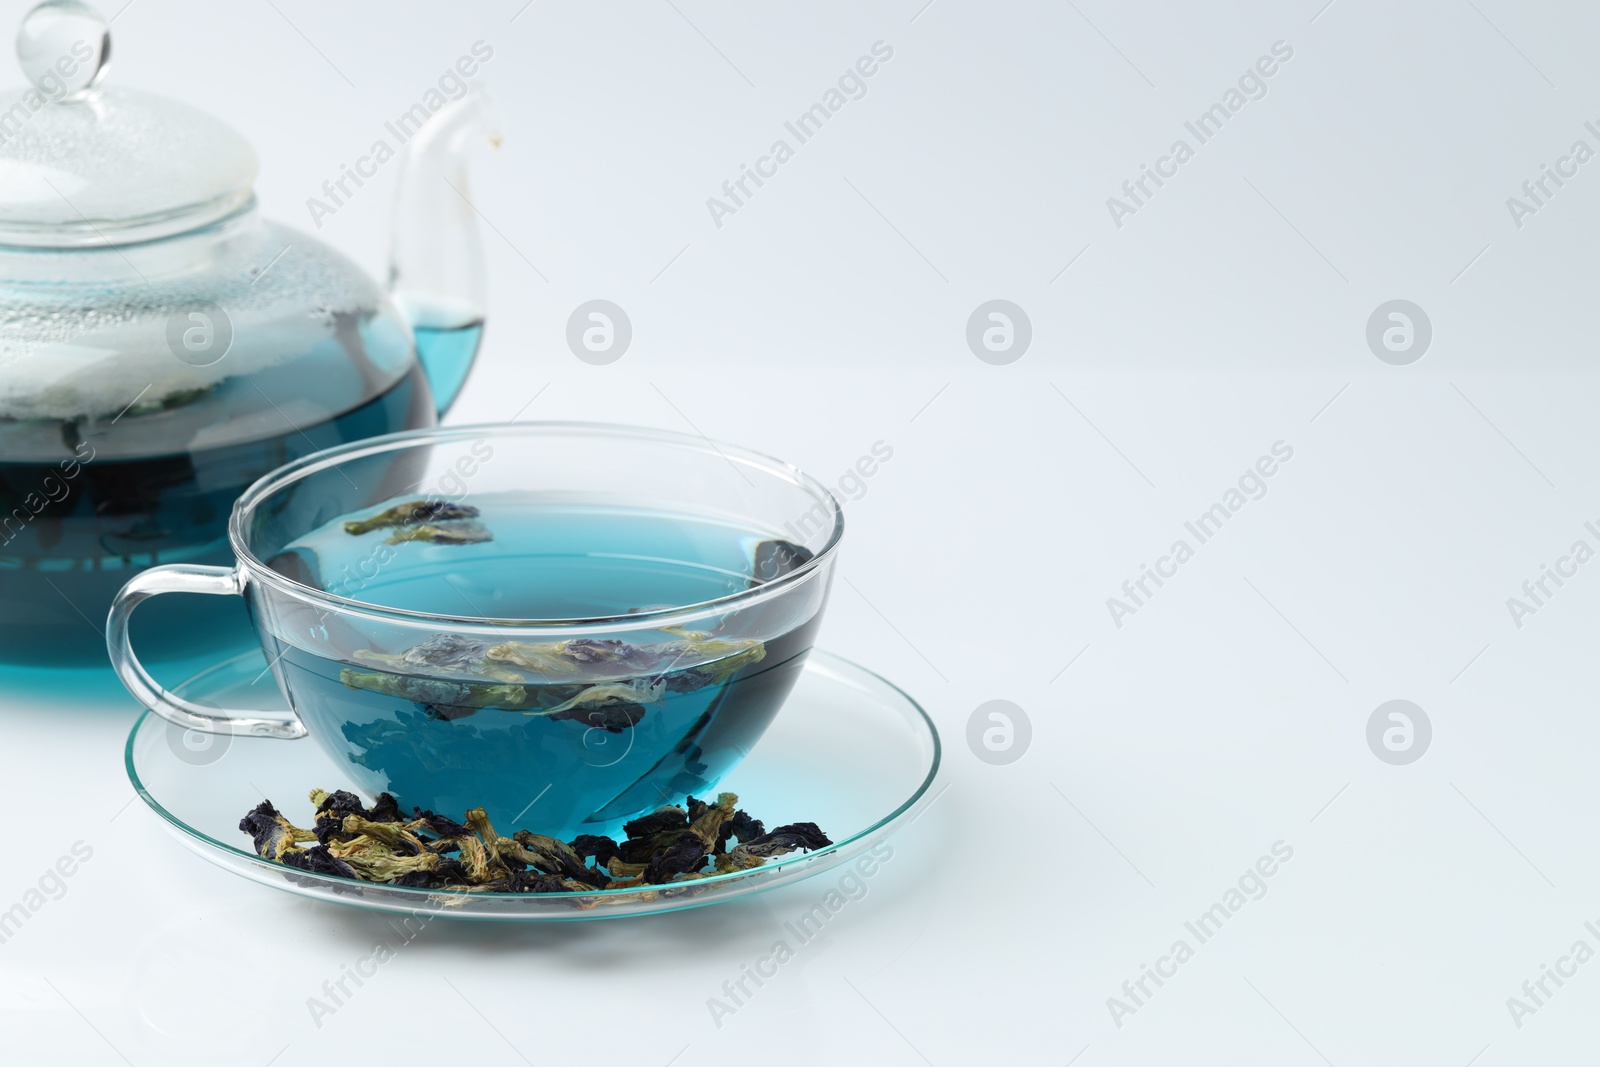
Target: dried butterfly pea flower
(392, 834)
(645, 692)
(386, 809)
(439, 824)
(340, 800)
(707, 820)
(544, 659)
(622, 869)
(448, 874)
(729, 655)
(612, 718)
(531, 882)
(613, 705)
(331, 811)
(576, 657)
(413, 513)
(377, 864)
(744, 827)
(477, 820)
(476, 860)
(642, 849)
(673, 841)
(436, 692)
(556, 866)
(442, 846)
(317, 860)
(688, 680)
(798, 835)
(601, 848)
(446, 652)
(552, 855)
(271, 833)
(658, 821)
(581, 656)
(740, 825)
(685, 855)
(591, 878)
(611, 650)
(448, 712)
(723, 669)
(669, 846)
(785, 839)
(534, 882)
(442, 533)
(775, 558)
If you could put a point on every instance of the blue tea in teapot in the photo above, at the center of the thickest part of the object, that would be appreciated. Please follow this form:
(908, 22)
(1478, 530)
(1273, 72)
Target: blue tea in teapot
(162, 346)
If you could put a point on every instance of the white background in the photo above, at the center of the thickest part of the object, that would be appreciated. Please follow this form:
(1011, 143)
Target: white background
(829, 313)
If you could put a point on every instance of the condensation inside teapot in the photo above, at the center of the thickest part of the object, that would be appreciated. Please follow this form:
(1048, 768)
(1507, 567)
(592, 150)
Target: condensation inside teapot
(162, 346)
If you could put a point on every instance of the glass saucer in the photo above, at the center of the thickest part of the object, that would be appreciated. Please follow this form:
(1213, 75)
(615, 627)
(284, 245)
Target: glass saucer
(848, 751)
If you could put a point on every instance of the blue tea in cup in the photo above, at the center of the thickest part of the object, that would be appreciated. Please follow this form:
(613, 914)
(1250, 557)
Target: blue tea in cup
(564, 624)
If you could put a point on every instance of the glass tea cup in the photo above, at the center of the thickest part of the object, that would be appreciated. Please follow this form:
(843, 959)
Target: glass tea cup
(566, 624)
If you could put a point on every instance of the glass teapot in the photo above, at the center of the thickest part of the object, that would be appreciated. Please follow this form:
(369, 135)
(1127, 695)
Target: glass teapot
(162, 346)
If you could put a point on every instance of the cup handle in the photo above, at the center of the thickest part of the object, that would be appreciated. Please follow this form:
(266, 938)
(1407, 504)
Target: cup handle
(184, 578)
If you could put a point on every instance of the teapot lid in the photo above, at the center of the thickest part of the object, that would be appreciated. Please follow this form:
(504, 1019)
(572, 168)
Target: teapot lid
(84, 166)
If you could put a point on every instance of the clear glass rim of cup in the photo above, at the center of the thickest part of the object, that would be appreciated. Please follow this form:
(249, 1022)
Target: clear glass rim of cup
(297, 470)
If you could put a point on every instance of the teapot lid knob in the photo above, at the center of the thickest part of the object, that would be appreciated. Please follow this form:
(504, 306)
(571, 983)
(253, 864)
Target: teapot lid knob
(64, 47)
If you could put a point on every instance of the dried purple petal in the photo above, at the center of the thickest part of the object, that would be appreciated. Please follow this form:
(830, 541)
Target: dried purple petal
(386, 809)
(642, 849)
(550, 855)
(775, 558)
(448, 712)
(600, 848)
(688, 680)
(669, 845)
(439, 824)
(639, 658)
(269, 831)
(532, 882)
(745, 828)
(686, 855)
(318, 860)
(439, 510)
(612, 718)
(341, 801)
(445, 650)
(442, 533)
(658, 821)
(798, 835)
(331, 810)
(450, 873)
(412, 513)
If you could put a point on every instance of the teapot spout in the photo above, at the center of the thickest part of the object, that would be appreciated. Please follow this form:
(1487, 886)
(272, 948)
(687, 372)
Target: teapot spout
(436, 269)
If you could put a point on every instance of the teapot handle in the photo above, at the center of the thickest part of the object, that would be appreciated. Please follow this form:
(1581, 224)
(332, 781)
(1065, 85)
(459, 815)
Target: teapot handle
(436, 268)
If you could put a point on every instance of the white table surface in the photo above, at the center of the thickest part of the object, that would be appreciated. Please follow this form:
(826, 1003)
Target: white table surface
(1168, 754)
